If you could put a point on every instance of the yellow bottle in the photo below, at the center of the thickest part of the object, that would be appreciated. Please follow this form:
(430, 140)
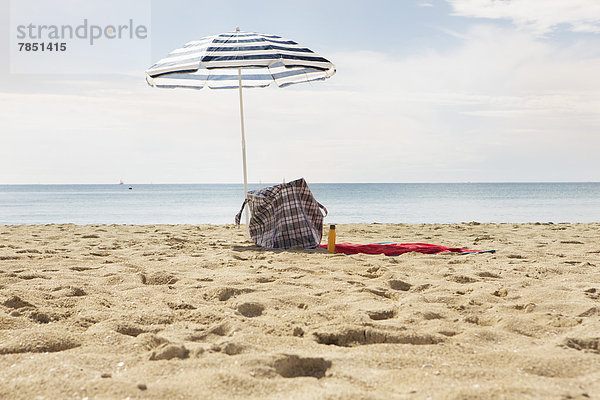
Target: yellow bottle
(331, 239)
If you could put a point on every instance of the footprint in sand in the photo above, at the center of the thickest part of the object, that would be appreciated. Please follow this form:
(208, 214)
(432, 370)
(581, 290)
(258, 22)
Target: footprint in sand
(219, 329)
(448, 333)
(81, 269)
(129, 329)
(225, 293)
(30, 275)
(298, 331)
(487, 274)
(265, 279)
(229, 348)
(476, 320)
(28, 251)
(373, 272)
(378, 315)
(7, 258)
(376, 291)
(591, 312)
(180, 306)
(462, 279)
(293, 366)
(70, 291)
(42, 317)
(251, 309)
(158, 278)
(37, 341)
(150, 341)
(169, 351)
(16, 302)
(423, 287)
(585, 344)
(99, 253)
(529, 307)
(349, 336)
(397, 284)
(123, 327)
(429, 315)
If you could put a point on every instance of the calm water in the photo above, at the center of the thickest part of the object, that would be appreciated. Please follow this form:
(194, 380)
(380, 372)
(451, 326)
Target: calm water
(347, 203)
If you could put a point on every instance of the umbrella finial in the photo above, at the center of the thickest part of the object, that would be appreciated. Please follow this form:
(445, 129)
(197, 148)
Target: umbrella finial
(237, 28)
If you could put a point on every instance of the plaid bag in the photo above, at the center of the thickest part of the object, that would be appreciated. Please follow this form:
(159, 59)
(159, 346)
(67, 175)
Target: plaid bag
(284, 216)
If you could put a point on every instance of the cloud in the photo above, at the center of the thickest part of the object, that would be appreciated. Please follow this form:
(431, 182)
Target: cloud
(502, 106)
(538, 16)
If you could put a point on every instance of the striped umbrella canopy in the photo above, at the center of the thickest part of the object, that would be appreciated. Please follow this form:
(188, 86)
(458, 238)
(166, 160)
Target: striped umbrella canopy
(237, 60)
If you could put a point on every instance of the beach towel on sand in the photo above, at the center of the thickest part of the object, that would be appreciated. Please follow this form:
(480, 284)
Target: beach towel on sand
(395, 249)
(284, 216)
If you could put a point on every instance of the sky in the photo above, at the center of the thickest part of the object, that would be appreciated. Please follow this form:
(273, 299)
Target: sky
(425, 91)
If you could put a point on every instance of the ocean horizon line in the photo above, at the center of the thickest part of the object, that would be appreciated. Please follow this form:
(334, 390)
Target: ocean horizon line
(350, 202)
(310, 182)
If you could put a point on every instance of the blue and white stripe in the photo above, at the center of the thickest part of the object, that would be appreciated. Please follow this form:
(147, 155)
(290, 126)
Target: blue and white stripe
(213, 61)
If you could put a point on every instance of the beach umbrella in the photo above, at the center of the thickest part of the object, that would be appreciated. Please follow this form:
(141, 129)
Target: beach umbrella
(236, 60)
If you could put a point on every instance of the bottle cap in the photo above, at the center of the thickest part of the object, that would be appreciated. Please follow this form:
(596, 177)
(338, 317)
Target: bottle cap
(331, 226)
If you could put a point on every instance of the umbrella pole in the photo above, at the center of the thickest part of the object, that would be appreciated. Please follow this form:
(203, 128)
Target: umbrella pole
(244, 150)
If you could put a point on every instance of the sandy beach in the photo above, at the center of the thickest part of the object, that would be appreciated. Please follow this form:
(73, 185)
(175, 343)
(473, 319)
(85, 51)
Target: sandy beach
(197, 312)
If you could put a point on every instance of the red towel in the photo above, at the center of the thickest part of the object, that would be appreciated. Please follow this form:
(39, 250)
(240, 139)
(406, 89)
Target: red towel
(394, 249)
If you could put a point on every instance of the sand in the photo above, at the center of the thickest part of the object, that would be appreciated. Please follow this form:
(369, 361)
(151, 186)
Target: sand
(166, 312)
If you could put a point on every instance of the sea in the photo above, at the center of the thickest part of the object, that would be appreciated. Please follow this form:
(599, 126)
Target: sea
(412, 203)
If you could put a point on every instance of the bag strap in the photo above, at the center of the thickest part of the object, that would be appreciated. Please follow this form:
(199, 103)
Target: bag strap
(238, 217)
(321, 206)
